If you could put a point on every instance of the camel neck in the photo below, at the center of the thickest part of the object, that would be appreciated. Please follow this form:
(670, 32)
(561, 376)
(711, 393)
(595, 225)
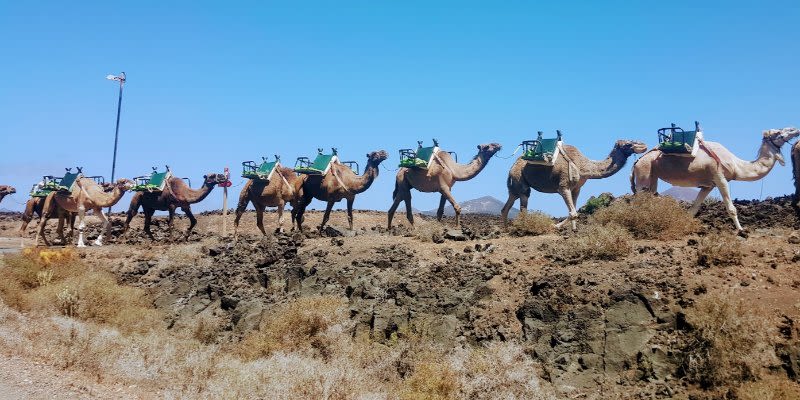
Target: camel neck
(365, 180)
(465, 172)
(604, 168)
(197, 195)
(107, 199)
(754, 170)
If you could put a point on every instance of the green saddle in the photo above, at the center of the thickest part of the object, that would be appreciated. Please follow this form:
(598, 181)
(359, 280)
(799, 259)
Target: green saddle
(419, 158)
(319, 166)
(153, 183)
(261, 172)
(541, 151)
(674, 140)
(51, 184)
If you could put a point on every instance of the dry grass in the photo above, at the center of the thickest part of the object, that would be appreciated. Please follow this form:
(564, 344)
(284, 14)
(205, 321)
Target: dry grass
(772, 388)
(594, 242)
(719, 249)
(731, 343)
(55, 281)
(648, 216)
(306, 325)
(531, 224)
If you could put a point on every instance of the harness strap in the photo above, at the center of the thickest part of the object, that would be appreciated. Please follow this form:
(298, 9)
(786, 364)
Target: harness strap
(570, 163)
(339, 180)
(285, 182)
(447, 167)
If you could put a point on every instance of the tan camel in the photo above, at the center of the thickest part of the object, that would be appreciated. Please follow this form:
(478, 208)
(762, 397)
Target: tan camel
(713, 166)
(440, 176)
(566, 177)
(85, 194)
(339, 183)
(796, 175)
(176, 193)
(284, 187)
(34, 205)
(6, 190)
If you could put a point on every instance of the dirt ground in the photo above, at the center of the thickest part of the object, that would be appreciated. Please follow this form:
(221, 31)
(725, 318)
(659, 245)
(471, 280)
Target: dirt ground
(601, 329)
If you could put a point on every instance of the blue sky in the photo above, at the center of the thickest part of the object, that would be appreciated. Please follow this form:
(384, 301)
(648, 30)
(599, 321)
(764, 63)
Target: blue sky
(211, 85)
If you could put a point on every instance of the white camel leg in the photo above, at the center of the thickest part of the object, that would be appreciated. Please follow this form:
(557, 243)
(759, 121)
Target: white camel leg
(281, 205)
(106, 226)
(81, 224)
(722, 185)
(704, 191)
(566, 194)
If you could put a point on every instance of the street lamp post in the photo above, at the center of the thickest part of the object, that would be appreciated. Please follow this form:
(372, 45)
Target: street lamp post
(121, 79)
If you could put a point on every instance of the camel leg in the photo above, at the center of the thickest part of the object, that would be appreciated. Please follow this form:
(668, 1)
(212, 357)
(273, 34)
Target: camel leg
(170, 220)
(566, 194)
(327, 214)
(395, 202)
(507, 207)
(575, 193)
(350, 201)
(440, 210)
(409, 212)
(260, 219)
(457, 208)
(81, 224)
(61, 229)
(106, 227)
(281, 205)
(133, 209)
(301, 210)
(148, 219)
(722, 185)
(240, 208)
(701, 196)
(192, 221)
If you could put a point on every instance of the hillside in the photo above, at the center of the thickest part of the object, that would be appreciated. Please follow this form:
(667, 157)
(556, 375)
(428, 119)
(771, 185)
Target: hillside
(486, 205)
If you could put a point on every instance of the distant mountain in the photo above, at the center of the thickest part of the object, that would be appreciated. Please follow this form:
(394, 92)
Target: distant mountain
(681, 193)
(483, 205)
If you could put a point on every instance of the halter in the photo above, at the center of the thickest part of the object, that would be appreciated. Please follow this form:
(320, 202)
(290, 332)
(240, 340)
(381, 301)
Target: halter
(772, 142)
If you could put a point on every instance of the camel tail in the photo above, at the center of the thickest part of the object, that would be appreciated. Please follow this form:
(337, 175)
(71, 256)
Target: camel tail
(795, 155)
(394, 192)
(633, 181)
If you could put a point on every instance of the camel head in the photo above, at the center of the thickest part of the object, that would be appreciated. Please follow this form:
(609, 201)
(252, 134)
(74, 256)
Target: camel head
(489, 149)
(214, 179)
(629, 147)
(779, 137)
(377, 157)
(124, 184)
(5, 190)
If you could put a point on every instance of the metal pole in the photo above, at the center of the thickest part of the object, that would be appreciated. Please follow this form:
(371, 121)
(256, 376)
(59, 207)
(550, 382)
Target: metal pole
(122, 78)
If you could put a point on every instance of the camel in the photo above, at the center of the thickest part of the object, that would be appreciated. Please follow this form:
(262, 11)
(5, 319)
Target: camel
(85, 194)
(6, 190)
(796, 175)
(284, 187)
(34, 205)
(339, 183)
(713, 166)
(566, 177)
(440, 176)
(176, 193)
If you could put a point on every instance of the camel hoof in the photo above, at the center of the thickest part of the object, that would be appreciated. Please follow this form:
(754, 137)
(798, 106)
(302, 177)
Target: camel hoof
(81, 245)
(743, 233)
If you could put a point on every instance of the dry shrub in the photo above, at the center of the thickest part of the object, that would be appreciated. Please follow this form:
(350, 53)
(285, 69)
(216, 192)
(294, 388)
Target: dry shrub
(429, 231)
(55, 281)
(772, 388)
(648, 216)
(719, 249)
(730, 342)
(594, 242)
(431, 380)
(306, 324)
(498, 370)
(532, 223)
(207, 328)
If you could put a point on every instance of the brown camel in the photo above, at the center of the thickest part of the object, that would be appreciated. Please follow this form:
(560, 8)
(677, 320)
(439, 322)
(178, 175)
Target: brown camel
(176, 193)
(440, 176)
(796, 175)
(712, 166)
(6, 190)
(85, 194)
(566, 177)
(339, 183)
(284, 187)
